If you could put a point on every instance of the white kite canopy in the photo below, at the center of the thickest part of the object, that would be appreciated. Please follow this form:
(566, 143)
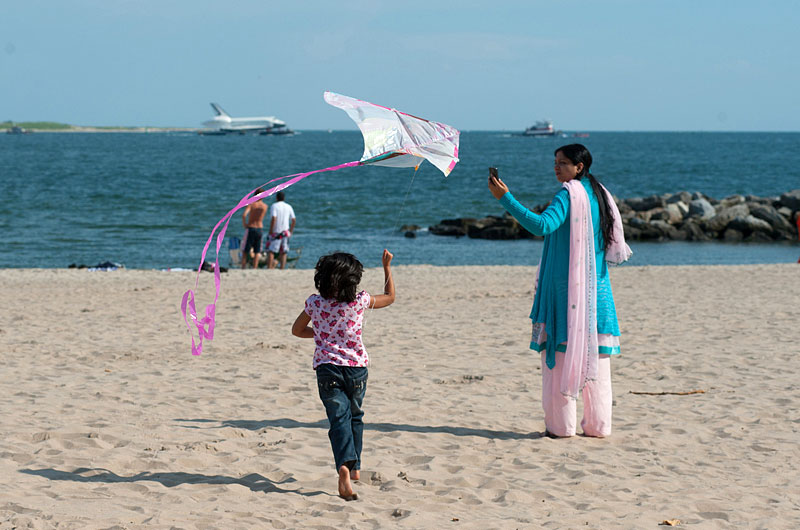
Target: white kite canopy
(396, 139)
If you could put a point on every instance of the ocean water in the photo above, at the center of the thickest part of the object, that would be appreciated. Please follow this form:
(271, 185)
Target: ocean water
(151, 200)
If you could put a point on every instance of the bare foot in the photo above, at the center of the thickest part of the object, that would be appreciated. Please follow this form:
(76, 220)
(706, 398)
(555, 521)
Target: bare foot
(345, 487)
(355, 474)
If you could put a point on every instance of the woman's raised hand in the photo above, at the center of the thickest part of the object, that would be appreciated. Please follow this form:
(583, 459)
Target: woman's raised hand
(497, 187)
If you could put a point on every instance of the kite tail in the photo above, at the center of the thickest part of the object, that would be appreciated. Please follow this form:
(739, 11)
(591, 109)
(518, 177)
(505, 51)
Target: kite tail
(205, 325)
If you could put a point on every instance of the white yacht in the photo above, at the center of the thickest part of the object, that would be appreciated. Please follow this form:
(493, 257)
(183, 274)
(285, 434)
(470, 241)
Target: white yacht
(540, 128)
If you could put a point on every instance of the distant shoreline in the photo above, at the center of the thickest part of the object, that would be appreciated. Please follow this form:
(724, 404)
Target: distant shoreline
(77, 129)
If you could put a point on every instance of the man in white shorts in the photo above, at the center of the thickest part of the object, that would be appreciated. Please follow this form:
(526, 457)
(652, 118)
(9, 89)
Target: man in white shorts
(281, 228)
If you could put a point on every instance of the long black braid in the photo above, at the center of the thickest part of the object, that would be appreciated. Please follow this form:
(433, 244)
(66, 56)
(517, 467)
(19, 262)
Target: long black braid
(577, 153)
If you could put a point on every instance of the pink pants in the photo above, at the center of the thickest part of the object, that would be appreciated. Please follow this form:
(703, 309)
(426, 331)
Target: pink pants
(560, 412)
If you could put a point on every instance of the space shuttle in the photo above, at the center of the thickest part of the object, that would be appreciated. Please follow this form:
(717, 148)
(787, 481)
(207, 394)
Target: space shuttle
(224, 123)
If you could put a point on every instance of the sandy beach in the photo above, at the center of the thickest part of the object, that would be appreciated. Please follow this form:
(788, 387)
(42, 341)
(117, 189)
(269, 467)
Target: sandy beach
(108, 421)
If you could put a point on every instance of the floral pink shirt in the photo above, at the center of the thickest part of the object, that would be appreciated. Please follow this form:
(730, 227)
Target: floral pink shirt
(337, 330)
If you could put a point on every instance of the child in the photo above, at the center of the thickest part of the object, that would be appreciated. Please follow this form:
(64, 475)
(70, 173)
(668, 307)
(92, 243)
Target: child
(340, 359)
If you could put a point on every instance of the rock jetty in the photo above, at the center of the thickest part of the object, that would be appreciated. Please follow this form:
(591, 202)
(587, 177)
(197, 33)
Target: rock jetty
(681, 216)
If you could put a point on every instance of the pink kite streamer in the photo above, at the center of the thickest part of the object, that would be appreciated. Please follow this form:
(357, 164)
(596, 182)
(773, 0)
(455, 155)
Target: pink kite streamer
(205, 325)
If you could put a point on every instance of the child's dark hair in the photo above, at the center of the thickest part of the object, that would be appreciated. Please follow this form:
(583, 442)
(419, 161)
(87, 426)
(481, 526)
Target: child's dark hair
(577, 153)
(337, 276)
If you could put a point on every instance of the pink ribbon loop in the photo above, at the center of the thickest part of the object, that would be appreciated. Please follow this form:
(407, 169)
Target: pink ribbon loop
(205, 326)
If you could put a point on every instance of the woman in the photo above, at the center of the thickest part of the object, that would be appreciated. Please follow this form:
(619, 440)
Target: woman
(574, 320)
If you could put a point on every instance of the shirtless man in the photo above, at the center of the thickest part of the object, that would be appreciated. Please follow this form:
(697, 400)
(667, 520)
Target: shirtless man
(253, 223)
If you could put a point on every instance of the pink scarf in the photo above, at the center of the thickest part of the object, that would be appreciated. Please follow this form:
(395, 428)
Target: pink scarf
(582, 350)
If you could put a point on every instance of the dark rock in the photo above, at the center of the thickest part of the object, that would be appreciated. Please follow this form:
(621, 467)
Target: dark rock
(631, 233)
(679, 234)
(665, 229)
(647, 215)
(749, 224)
(770, 214)
(758, 237)
(648, 232)
(652, 233)
(701, 208)
(671, 214)
(496, 232)
(791, 200)
(410, 234)
(656, 214)
(675, 213)
(760, 200)
(448, 230)
(725, 216)
(695, 232)
(786, 212)
(462, 222)
(474, 229)
(681, 196)
(732, 235)
(641, 204)
(731, 200)
(622, 206)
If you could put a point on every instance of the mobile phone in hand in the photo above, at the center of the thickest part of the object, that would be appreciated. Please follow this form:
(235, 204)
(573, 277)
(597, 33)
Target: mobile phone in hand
(493, 172)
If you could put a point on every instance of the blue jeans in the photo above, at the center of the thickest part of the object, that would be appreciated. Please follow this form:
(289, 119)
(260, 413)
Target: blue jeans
(342, 389)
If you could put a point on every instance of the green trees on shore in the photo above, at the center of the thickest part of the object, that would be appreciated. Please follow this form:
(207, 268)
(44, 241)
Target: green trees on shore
(40, 125)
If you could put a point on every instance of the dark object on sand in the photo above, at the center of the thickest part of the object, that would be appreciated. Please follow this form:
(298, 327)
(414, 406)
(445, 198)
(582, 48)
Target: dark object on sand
(106, 265)
(209, 267)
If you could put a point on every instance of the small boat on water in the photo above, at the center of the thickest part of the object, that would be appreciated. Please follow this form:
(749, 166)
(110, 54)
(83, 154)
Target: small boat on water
(278, 129)
(262, 132)
(17, 130)
(540, 128)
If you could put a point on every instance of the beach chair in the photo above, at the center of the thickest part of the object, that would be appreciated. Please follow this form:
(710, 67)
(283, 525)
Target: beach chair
(235, 251)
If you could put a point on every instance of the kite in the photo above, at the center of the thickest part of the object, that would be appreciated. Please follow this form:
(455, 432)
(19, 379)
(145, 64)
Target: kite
(391, 138)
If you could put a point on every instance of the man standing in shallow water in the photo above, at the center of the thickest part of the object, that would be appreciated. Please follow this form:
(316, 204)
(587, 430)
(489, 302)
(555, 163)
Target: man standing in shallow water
(253, 223)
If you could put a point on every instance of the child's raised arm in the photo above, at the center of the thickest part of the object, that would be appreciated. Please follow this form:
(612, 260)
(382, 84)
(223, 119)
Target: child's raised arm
(382, 300)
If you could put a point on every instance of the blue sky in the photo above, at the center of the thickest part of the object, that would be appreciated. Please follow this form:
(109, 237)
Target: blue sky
(588, 65)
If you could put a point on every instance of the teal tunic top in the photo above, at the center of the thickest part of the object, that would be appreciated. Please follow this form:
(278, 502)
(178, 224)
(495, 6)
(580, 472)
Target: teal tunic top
(550, 301)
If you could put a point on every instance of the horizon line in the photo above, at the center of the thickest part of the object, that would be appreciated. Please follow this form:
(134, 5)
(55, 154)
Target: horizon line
(166, 128)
